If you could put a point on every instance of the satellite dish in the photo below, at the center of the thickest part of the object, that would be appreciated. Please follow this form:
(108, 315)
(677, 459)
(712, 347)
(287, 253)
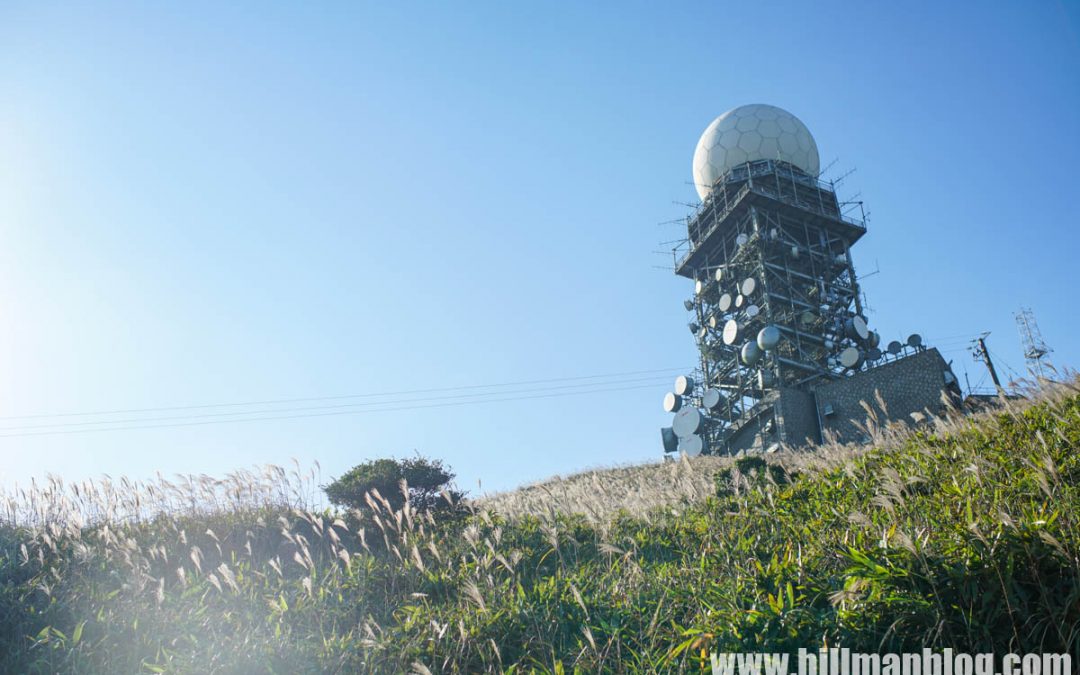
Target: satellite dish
(693, 327)
(849, 357)
(894, 347)
(702, 332)
(741, 240)
(856, 329)
(689, 305)
(765, 379)
(687, 422)
(684, 385)
(768, 337)
(711, 398)
(873, 354)
(914, 340)
(725, 302)
(699, 287)
(731, 332)
(752, 311)
(714, 321)
(669, 439)
(751, 354)
(672, 402)
(719, 275)
(874, 340)
(748, 286)
(740, 300)
(692, 445)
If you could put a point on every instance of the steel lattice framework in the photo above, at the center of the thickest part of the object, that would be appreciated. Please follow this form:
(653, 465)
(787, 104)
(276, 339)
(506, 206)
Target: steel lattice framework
(1036, 350)
(770, 248)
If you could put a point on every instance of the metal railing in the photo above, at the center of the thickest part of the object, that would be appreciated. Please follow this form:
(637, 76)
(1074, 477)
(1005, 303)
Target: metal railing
(748, 172)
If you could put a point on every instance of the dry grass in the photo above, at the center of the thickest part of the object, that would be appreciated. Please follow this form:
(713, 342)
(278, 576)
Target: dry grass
(600, 493)
(644, 489)
(58, 503)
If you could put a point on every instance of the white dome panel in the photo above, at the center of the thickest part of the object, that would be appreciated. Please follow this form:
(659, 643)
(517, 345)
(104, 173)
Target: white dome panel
(735, 157)
(768, 129)
(730, 138)
(769, 148)
(767, 112)
(750, 141)
(748, 123)
(750, 133)
(701, 159)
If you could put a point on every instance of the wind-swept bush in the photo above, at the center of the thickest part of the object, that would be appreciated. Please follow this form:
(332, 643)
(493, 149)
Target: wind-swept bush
(426, 482)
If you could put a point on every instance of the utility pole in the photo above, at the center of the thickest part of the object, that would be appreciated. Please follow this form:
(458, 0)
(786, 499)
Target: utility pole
(979, 350)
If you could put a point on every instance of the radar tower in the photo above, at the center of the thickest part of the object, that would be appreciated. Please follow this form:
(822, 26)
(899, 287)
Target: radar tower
(786, 356)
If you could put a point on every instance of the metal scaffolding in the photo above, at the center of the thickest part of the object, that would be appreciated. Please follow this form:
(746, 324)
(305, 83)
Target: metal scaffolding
(776, 304)
(1036, 350)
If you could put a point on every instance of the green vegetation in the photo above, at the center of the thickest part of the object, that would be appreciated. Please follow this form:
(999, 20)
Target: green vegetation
(965, 537)
(428, 484)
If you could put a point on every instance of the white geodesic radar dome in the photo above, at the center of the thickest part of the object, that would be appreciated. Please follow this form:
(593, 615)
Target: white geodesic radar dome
(749, 133)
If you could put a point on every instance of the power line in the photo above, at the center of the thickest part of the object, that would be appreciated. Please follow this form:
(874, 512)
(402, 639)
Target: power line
(949, 343)
(978, 386)
(966, 336)
(1015, 374)
(655, 379)
(120, 411)
(325, 414)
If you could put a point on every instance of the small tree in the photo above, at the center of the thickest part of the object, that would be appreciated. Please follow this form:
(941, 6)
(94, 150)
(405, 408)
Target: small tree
(426, 478)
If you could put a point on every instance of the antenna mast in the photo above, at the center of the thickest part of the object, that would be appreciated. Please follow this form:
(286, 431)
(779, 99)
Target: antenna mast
(1035, 349)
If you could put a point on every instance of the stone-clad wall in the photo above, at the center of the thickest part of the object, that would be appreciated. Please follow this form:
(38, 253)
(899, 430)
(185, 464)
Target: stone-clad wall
(911, 384)
(747, 439)
(799, 419)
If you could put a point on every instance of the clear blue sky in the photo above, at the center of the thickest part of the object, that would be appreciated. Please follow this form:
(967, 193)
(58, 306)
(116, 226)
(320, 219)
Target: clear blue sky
(225, 202)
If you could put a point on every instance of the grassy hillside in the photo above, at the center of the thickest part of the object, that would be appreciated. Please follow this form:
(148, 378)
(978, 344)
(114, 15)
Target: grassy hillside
(967, 536)
(652, 489)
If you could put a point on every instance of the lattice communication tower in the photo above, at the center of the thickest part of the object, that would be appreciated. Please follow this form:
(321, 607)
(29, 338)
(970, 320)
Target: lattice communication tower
(776, 308)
